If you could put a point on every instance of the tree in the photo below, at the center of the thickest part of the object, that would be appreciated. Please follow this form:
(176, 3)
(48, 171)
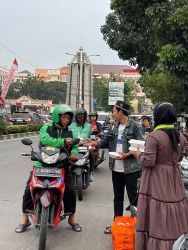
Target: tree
(137, 29)
(100, 92)
(162, 86)
(174, 55)
(36, 88)
(130, 90)
(153, 35)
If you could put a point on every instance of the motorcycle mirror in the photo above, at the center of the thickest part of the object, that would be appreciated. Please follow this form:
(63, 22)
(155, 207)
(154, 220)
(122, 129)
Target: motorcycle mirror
(74, 142)
(63, 156)
(27, 141)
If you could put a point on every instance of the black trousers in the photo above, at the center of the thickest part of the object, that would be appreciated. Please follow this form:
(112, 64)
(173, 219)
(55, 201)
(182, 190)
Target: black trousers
(69, 198)
(120, 181)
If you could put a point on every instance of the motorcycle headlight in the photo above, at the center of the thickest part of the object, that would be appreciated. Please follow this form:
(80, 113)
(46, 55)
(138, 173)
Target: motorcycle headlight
(49, 159)
(81, 162)
(184, 165)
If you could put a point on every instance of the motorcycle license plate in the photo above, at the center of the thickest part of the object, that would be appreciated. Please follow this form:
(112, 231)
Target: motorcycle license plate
(82, 149)
(48, 172)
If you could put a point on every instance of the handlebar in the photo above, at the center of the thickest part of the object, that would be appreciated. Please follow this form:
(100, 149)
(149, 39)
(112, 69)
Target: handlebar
(74, 142)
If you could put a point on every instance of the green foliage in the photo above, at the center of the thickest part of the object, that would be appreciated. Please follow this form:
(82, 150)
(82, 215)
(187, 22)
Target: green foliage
(34, 127)
(174, 55)
(3, 128)
(153, 34)
(162, 86)
(13, 129)
(100, 93)
(129, 91)
(38, 89)
(137, 29)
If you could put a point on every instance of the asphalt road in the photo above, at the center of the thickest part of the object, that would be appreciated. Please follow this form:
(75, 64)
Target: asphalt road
(93, 213)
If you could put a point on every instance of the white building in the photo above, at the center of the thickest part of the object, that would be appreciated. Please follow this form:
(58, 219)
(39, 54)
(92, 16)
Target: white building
(21, 76)
(3, 75)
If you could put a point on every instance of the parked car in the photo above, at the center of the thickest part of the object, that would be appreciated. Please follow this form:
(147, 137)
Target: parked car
(46, 118)
(26, 117)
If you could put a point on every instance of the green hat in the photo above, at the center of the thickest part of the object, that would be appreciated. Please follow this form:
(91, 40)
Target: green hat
(60, 110)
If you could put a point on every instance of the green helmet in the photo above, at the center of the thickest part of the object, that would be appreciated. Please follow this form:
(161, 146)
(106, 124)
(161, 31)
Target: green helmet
(60, 110)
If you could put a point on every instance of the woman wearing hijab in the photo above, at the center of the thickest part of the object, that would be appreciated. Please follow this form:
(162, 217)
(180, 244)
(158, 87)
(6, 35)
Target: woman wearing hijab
(162, 214)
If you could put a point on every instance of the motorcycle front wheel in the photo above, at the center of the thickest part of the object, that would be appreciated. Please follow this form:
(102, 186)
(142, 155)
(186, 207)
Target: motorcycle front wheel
(43, 228)
(80, 187)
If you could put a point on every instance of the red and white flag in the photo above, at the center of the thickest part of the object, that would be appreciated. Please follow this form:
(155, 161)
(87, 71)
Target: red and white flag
(8, 82)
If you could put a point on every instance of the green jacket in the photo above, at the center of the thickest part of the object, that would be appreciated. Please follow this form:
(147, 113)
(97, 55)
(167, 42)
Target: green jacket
(82, 132)
(51, 134)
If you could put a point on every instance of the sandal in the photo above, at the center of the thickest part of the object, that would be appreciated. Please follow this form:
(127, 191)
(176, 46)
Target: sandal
(108, 230)
(76, 227)
(22, 228)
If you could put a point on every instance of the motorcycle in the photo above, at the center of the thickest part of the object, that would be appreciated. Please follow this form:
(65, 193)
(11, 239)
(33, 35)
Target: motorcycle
(80, 170)
(182, 242)
(47, 188)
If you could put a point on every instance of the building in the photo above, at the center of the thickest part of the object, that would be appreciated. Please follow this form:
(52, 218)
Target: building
(120, 72)
(21, 76)
(64, 73)
(3, 75)
(48, 75)
(26, 102)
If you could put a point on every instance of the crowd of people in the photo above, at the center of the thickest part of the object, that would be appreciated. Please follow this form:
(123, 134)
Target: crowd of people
(161, 202)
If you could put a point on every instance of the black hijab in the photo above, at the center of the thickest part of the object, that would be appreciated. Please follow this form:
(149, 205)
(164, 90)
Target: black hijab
(165, 113)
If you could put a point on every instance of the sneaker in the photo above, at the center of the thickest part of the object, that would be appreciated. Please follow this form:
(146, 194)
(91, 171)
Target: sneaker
(91, 178)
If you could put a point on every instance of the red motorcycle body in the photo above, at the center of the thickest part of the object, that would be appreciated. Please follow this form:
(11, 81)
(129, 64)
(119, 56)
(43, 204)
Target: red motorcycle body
(48, 191)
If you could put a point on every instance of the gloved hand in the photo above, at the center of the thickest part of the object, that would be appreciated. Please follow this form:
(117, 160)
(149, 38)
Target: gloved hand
(73, 157)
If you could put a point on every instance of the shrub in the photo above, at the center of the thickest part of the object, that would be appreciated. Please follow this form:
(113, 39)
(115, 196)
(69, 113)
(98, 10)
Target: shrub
(13, 129)
(3, 128)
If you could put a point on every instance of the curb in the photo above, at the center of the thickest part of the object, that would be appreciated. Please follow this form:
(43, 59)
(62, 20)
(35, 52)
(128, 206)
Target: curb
(18, 135)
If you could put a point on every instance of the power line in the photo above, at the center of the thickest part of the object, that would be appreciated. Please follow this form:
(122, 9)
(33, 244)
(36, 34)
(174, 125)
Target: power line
(21, 58)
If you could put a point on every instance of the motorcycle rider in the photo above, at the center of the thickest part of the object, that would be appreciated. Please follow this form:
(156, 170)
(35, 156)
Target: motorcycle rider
(107, 122)
(146, 125)
(96, 126)
(56, 134)
(82, 129)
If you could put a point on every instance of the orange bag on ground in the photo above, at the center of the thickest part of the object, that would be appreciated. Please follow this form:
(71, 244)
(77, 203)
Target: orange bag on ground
(123, 233)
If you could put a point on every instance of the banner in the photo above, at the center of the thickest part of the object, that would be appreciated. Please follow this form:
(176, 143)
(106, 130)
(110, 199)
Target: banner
(116, 92)
(8, 82)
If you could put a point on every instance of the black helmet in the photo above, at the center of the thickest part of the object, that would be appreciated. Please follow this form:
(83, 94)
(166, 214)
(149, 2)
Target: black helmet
(81, 110)
(93, 114)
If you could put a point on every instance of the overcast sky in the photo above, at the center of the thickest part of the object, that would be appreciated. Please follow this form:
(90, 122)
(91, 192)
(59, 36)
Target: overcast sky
(41, 31)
